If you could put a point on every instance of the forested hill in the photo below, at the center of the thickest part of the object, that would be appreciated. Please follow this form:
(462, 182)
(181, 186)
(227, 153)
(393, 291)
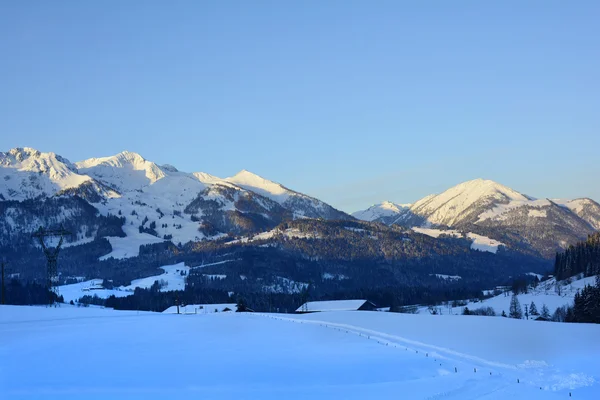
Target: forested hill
(582, 258)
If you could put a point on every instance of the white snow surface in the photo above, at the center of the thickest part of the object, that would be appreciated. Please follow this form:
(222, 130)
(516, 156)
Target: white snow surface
(260, 185)
(546, 293)
(342, 355)
(484, 243)
(171, 280)
(331, 305)
(448, 207)
(376, 211)
(479, 242)
(28, 173)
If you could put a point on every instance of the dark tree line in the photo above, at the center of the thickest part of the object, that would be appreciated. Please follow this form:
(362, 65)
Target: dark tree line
(586, 307)
(583, 258)
(29, 293)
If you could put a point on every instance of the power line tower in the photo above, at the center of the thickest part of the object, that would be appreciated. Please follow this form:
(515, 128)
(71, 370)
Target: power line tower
(52, 257)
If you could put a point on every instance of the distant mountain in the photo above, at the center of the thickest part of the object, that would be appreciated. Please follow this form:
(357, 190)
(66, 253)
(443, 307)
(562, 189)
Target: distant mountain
(156, 202)
(499, 212)
(26, 173)
(300, 204)
(386, 212)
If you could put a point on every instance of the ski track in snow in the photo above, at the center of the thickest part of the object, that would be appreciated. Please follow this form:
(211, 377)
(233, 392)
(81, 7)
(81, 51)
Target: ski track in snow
(304, 356)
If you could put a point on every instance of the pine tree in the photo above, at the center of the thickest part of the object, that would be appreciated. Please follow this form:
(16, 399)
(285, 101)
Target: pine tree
(545, 312)
(533, 309)
(515, 308)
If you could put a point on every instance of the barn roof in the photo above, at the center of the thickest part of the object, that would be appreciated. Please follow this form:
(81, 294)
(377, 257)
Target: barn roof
(201, 308)
(331, 305)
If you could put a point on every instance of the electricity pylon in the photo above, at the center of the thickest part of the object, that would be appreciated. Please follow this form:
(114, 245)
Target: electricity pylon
(52, 257)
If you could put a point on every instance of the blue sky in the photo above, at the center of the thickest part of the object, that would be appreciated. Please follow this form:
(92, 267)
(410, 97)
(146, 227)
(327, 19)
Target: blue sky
(353, 102)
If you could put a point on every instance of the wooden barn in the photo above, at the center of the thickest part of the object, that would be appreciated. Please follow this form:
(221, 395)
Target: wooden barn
(336, 305)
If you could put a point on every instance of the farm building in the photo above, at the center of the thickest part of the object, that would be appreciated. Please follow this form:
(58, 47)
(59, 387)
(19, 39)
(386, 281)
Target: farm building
(201, 308)
(336, 305)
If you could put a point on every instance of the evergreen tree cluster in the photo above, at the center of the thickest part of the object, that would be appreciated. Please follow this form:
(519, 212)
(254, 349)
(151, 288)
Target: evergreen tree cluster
(583, 258)
(586, 307)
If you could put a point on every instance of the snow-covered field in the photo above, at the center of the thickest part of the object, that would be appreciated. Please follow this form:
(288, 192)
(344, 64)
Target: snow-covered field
(481, 243)
(172, 279)
(92, 353)
(545, 293)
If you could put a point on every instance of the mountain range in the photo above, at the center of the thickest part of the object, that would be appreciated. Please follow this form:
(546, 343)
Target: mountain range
(543, 225)
(129, 216)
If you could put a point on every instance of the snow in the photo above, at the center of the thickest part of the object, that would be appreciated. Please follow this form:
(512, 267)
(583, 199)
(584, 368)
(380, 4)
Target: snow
(331, 305)
(129, 246)
(201, 308)
(124, 171)
(448, 207)
(483, 243)
(215, 276)
(290, 233)
(93, 287)
(586, 208)
(285, 285)
(376, 211)
(260, 185)
(329, 276)
(545, 293)
(28, 173)
(436, 233)
(497, 213)
(537, 213)
(479, 242)
(171, 280)
(347, 355)
(216, 263)
(448, 277)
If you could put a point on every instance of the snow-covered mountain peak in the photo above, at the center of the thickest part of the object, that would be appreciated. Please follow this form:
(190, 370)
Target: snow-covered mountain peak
(463, 201)
(126, 170)
(381, 212)
(260, 185)
(28, 173)
(586, 209)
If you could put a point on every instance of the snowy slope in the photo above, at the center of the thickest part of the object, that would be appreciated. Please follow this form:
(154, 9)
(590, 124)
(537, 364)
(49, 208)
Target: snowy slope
(487, 208)
(300, 204)
(258, 184)
(587, 209)
(124, 171)
(385, 212)
(341, 355)
(479, 242)
(461, 201)
(157, 202)
(27, 173)
(546, 293)
(173, 278)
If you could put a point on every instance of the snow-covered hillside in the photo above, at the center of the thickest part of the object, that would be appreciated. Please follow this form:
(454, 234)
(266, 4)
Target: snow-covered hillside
(173, 278)
(484, 206)
(385, 212)
(587, 209)
(157, 202)
(478, 242)
(27, 173)
(344, 355)
(549, 292)
(460, 202)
